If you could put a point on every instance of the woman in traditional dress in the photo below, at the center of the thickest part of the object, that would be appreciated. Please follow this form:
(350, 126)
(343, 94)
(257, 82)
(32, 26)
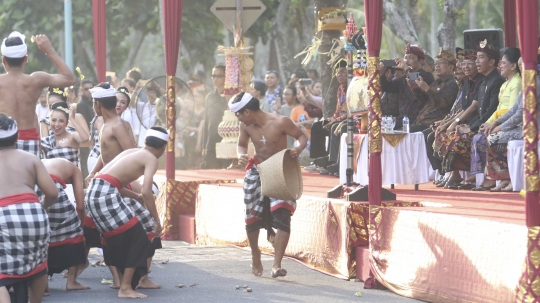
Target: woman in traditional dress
(54, 96)
(508, 96)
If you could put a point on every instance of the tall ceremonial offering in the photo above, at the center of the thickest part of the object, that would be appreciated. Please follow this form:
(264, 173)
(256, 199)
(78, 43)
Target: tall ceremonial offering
(238, 66)
(527, 11)
(172, 14)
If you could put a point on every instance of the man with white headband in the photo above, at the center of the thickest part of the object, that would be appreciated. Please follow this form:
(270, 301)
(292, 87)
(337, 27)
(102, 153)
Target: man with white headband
(19, 91)
(126, 240)
(25, 225)
(268, 132)
(114, 138)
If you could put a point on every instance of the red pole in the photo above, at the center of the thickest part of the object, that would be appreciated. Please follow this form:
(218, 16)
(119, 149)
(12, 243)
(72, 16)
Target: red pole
(100, 38)
(510, 23)
(172, 13)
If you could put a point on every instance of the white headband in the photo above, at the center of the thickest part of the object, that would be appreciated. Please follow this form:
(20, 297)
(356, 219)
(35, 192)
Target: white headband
(15, 51)
(235, 107)
(157, 134)
(98, 92)
(10, 131)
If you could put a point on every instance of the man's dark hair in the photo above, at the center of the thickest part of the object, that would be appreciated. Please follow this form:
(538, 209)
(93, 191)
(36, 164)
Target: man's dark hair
(260, 86)
(252, 105)
(314, 72)
(14, 62)
(155, 142)
(220, 66)
(87, 81)
(301, 73)
(5, 124)
(107, 102)
(55, 108)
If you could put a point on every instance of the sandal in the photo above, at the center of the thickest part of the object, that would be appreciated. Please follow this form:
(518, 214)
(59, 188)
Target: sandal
(509, 188)
(500, 187)
(453, 184)
(484, 188)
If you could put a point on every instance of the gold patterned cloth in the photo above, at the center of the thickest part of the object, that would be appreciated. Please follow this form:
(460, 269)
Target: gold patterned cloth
(394, 139)
(529, 285)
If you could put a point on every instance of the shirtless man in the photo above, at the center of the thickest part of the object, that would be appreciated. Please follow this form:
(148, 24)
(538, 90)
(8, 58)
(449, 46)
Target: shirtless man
(125, 237)
(19, 91)
(66, 249)
(114, 138)
(268, 132)
(23, 248)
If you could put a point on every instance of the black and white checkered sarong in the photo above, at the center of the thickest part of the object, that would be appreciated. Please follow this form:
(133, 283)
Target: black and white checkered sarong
(254, 200)
(106, 206)
(29, 141)
(52, 151)
(24, 235)
(142, 214)
(63, 218)
(94, 135)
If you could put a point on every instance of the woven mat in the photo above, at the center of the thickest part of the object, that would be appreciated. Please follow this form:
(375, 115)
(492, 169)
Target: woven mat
(393, 139)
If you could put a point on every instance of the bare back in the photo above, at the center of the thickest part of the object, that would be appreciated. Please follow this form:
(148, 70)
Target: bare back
(131, 164)
(18, 95)
(269, 135)
(21, 171)
(114, 139)
(60, 167)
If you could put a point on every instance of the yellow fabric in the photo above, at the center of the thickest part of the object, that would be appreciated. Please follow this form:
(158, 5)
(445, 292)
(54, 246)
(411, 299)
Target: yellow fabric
(507, 96)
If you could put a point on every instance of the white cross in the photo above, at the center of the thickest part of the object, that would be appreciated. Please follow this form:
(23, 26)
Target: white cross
(263, 140)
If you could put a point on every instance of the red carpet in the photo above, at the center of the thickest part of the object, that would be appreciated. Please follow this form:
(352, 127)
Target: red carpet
(502, 207)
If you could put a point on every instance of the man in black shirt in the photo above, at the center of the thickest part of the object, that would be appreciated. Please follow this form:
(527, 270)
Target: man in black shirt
(84, 107)
(215, 106)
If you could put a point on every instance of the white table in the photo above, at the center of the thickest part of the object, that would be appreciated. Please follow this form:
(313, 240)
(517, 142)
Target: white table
(407, 163)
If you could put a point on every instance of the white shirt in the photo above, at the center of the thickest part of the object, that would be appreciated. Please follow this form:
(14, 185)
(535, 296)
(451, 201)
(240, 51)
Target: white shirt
(147, 114)
(42, 112)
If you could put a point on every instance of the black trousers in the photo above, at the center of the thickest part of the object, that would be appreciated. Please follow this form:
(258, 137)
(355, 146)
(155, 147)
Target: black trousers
(318, 140)
(335, 141)
(429, 137)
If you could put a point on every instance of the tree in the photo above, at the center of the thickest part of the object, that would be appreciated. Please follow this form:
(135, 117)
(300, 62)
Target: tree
(446, 33)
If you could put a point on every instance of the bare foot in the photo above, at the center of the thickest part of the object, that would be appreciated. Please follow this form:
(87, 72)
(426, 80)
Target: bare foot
(256, 266)
(278, 272)
(114, 286)
(76, 286)
(130, 293)
(146, 283)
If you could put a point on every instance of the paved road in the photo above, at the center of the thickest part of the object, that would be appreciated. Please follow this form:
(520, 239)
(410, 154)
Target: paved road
(214, 272)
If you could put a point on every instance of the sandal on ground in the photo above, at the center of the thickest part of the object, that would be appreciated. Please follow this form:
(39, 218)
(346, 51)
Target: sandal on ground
(466, 186)
(484, 188)
(499, 187)
(509, 188)
(453, 184)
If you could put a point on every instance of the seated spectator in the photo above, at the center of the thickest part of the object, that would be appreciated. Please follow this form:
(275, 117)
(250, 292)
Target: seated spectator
(508, 96)
(326, 162)
(389, 101)
(258, 90)
(441, 93)
(464, 109)
(311, 104)
(458, 155)
(411, 98)
(316, 89)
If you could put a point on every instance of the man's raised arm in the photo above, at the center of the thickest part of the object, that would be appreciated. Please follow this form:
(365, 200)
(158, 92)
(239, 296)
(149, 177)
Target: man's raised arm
(65, 78)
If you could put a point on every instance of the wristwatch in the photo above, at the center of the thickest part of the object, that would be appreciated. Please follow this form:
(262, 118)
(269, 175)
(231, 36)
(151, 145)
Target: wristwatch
(457, 120)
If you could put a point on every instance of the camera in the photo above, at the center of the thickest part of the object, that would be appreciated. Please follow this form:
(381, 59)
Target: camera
(413, 76)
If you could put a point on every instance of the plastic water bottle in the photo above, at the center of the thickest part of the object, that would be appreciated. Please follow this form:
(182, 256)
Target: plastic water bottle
(383, 124)
(406, 124)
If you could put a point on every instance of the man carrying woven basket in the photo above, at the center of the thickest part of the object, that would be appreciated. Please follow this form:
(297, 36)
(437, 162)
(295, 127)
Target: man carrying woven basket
(268, 133)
